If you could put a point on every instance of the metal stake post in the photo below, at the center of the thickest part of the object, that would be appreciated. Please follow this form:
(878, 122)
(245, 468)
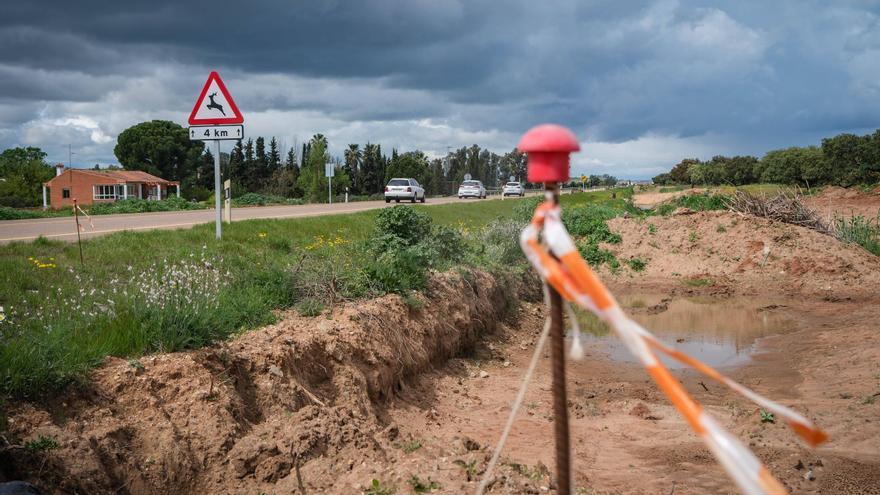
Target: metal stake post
(217, 217)
(560, 397)
(78, 238)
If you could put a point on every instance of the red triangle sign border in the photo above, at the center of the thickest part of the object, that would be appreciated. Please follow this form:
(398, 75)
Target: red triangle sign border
(235, 118)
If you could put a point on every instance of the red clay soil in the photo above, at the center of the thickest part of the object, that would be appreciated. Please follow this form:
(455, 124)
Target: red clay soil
(416, 397)
(745, 254)
(831, 201)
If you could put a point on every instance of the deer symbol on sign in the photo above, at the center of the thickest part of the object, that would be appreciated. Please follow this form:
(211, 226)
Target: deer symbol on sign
(214, 104)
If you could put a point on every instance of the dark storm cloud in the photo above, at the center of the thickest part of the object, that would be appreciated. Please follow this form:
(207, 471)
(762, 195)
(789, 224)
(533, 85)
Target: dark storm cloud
(615, 71)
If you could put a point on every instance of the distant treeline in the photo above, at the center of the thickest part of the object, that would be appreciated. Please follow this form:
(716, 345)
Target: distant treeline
(258, 165)
(255, 165)
(843, 160)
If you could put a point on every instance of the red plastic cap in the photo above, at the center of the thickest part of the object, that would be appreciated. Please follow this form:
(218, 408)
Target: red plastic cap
(548, 147)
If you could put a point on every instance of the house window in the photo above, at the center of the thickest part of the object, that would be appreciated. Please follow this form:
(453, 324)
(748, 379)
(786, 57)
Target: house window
(65, 193)
(105, 192)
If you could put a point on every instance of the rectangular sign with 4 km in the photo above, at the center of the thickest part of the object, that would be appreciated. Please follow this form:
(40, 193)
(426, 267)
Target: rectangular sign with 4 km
(219, 132)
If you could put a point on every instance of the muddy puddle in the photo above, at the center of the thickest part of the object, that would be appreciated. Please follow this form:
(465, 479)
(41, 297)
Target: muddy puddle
(719, 332)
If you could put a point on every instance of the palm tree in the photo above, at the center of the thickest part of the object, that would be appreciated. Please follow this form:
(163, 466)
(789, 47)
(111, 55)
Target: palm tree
(353, 157)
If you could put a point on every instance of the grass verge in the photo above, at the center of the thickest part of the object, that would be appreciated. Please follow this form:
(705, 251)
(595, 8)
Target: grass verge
(142, 292)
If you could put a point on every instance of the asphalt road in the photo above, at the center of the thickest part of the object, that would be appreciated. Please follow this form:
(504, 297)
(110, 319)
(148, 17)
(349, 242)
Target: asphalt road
(64, 228)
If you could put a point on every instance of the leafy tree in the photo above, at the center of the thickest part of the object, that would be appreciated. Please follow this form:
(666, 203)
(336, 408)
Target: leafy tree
(513, 163)
(22, 174)
(660, 179)
(311, 179)
(435, 182)
(373, 170)
(740, 170)
(412, 164)
(782, 166)
(680, 174)
(815, 169)
(284, 182)
(853, 159)
(159, 147)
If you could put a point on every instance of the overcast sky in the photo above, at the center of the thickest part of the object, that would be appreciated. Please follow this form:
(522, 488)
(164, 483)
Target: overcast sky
(642, 84)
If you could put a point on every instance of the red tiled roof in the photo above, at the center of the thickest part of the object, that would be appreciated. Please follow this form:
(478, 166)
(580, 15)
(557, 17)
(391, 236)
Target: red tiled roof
(120, 176)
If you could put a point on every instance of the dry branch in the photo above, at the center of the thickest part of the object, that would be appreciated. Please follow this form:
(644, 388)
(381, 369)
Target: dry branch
(785, 207)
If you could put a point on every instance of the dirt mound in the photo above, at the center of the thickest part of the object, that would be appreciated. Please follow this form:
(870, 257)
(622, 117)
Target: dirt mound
(832, 200)
(835, 192)
(291, 406)
(714, 249)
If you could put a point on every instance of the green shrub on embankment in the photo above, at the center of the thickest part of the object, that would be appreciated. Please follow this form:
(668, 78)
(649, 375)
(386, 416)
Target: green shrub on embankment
(151, 291)
(698, 202)
(859, 230)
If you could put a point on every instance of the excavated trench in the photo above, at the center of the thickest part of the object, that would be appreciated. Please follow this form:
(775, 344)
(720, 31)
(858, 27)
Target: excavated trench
(248, 415)
(374, 390)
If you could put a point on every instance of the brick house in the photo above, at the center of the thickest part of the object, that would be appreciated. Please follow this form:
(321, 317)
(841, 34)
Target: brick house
(102, 186)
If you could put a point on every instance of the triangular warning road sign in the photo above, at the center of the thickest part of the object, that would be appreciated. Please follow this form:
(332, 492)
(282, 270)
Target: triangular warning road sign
(215, 105)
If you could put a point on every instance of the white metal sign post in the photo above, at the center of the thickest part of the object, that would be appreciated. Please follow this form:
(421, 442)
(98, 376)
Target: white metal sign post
(329, 172)
(216, 119)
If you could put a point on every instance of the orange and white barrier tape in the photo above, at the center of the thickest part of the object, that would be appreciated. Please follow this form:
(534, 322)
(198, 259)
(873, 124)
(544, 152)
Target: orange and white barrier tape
(89, 218)
(570, 275)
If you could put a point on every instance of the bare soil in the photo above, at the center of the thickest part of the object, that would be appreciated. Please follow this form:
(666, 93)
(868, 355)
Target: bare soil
(831, 201)
(652, 199)
(747, 255)
(414, 395)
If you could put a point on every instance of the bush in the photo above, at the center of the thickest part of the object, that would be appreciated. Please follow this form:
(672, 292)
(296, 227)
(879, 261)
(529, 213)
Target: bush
(596, 256)
(703, 202)
(859, 230)
(405, 245)
(7, 213)
(501, 241)
(137, 205)
(589, 221)
(257, 199)
(444, 244)
(399, 270)
(405, 223)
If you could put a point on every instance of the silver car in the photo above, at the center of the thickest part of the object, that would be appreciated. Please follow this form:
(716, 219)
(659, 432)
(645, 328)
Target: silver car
(398, 189)
(471, 189)
(513, 189)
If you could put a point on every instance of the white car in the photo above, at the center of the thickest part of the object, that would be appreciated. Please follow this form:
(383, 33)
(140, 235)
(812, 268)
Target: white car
(513, 189)
(398, 189)
(471, 189)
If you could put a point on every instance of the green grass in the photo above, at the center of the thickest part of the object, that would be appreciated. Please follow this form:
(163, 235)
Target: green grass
(637, 264)
(151, 291)
(859, 230)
